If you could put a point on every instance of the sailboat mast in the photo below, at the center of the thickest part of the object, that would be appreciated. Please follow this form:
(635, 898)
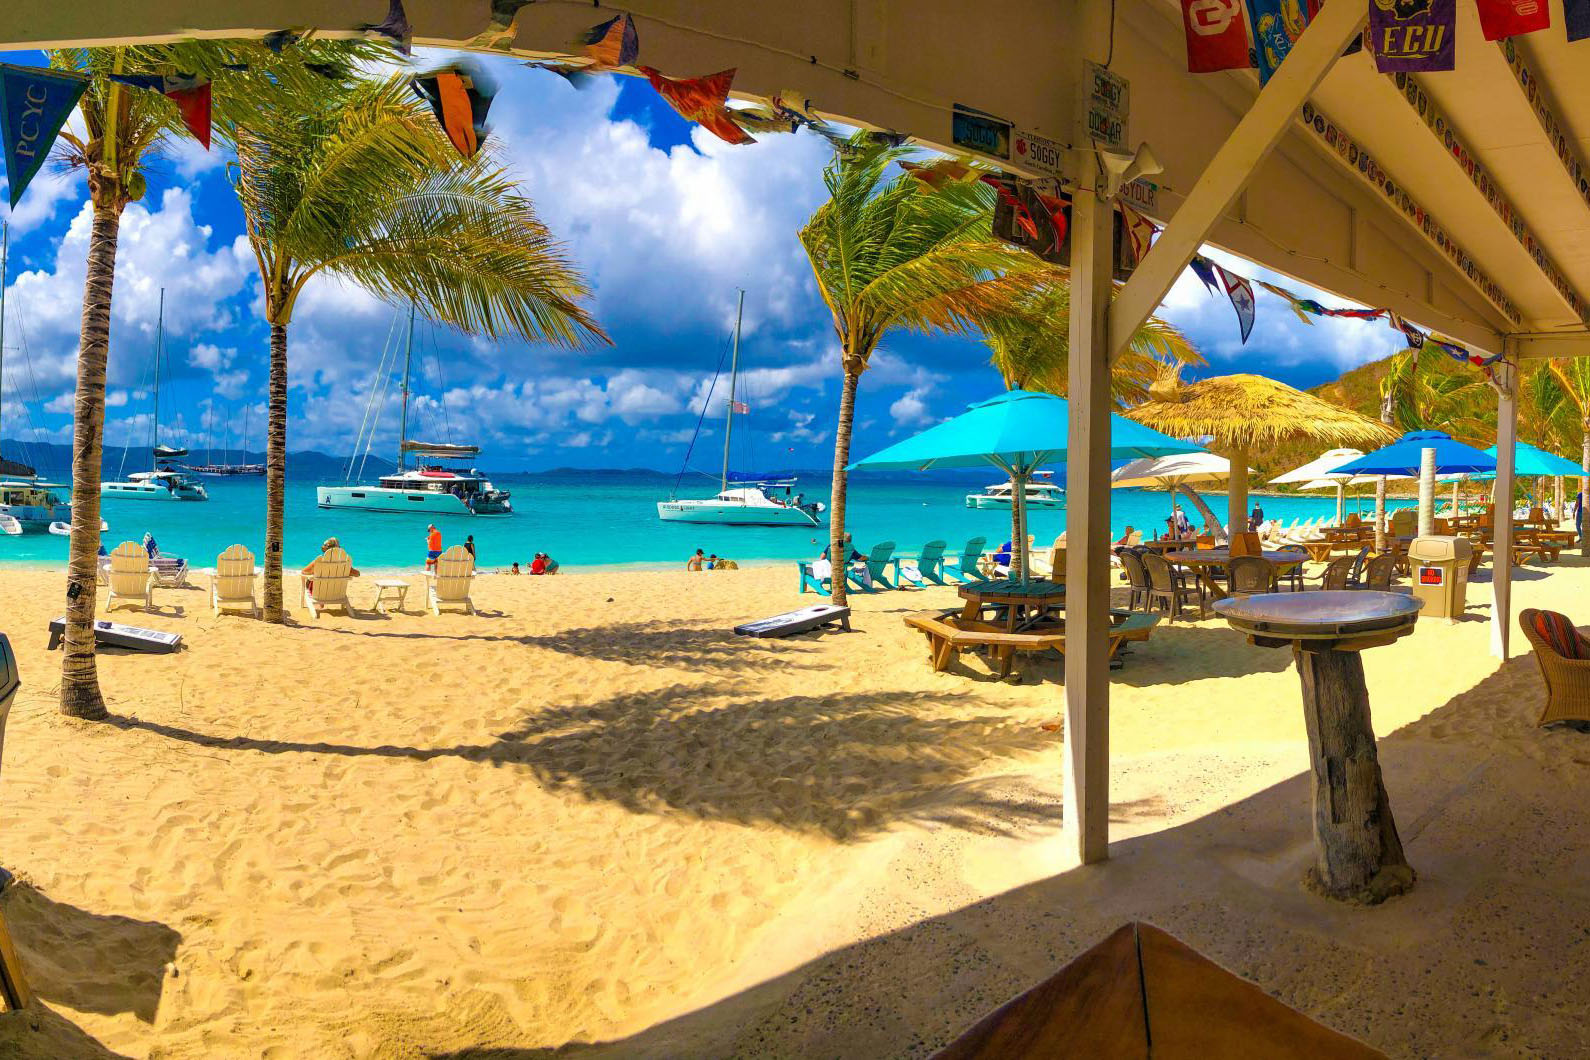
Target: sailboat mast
(403, 424)
(734, 377)
(160, 343)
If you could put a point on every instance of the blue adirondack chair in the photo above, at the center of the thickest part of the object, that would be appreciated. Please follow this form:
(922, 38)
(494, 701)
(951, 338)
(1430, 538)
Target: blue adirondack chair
(879, 560)
(967, 569)
(820, 586)
(929, 566)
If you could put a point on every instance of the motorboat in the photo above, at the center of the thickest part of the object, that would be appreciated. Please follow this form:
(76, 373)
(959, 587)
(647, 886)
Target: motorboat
(162, 484)
(751, 504)
(1039, 493)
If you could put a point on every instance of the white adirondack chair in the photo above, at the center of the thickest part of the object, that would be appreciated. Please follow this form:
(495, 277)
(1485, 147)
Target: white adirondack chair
(232, 584)
(333, 572)
(448, 585)
(131, 581)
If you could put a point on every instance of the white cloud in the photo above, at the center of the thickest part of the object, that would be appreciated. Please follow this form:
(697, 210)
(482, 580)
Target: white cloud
(910, 409)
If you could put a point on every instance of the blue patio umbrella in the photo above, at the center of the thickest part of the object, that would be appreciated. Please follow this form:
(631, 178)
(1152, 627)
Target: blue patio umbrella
(1018, 432)
(1404, 457)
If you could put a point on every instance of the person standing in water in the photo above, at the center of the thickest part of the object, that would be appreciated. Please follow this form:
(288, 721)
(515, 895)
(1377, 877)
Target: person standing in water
(433, 546)
(469, 545)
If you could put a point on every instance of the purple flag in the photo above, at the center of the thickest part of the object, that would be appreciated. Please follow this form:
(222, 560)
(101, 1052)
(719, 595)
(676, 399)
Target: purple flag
(1576, 13)
(1413, 36)
(1205, 269)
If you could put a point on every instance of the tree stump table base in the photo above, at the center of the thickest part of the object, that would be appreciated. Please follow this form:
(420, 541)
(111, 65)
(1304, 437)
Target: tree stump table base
(1358, 854)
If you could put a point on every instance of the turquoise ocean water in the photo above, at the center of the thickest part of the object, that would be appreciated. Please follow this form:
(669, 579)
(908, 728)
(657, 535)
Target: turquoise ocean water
(601, 519)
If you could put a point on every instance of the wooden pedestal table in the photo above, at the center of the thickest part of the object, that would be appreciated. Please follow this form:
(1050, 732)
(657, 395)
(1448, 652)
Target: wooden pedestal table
(1359, 854)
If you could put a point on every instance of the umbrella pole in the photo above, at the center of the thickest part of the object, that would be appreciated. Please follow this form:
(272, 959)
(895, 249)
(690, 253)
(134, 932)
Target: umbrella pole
(1341, 501)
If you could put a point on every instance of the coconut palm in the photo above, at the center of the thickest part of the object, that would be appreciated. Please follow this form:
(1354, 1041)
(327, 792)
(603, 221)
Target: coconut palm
(1031, 350)
(900, 254)
(1573, 375)
(1247, 414)
(125, 129)
(357, 181)
(1412, 399)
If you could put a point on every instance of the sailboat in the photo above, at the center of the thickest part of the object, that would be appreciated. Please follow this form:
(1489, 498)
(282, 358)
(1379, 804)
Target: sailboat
(428, 486)
(225, 470)
(166, 480)
(754, 500)
(27, 504)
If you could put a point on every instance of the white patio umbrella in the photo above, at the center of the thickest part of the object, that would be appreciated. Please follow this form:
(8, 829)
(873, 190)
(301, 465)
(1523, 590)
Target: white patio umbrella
(1318, 474)
(1181, 471)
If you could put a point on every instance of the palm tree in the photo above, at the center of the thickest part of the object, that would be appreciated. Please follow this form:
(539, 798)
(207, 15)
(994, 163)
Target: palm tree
(1412, 399)
(898, 254)
(1573, 375)
(1031, 350)
(356, 180)
(124, 130)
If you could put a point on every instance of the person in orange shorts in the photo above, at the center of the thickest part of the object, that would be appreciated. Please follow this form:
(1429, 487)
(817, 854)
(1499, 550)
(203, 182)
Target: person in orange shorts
(433, 546)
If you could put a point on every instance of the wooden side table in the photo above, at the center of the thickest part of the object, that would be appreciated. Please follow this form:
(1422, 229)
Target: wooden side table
(390, 591)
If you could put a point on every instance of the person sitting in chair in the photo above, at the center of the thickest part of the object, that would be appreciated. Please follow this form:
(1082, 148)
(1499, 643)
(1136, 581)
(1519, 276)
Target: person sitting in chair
(309, 568)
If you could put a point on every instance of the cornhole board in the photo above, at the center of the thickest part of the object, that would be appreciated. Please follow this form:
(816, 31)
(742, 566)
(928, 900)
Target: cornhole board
(116, 635)
(1141, 986)
(803, 621)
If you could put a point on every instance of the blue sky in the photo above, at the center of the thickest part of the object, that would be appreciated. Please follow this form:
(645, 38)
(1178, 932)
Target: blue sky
(665, 221)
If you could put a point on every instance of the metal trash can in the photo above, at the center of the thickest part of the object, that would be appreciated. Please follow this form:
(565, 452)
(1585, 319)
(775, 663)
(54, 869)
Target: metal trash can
(1440, 567)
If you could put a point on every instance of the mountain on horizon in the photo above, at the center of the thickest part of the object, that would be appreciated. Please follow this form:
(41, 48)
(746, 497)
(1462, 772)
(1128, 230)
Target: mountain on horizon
(54, 461)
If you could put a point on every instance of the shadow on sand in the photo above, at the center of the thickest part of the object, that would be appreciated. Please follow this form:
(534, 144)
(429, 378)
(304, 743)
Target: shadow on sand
(845, 766)
(1495, 915)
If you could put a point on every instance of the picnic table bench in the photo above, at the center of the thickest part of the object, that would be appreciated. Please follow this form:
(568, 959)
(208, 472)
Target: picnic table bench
(949, 633)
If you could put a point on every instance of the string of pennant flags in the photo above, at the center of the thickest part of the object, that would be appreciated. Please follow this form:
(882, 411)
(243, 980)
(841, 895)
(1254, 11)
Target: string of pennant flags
(1403, 36)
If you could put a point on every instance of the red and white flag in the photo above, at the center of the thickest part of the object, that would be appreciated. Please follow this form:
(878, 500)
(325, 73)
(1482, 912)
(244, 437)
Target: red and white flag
(1217, 35)
(1139, 230)
(739, 408)
(1509, 18)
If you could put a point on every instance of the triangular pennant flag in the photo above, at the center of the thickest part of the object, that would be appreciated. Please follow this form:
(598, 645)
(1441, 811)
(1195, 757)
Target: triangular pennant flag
(1414, 336)
(460, 99)
(701, 100)
(34, 103)
(395, 27)
(282, 38)
(190, 93)
(1354, 314)
(613, 43)
(1241, 294)
(1204, 269)
(1139, 229)
(501, 30)
(580, 77)
(1291, 299)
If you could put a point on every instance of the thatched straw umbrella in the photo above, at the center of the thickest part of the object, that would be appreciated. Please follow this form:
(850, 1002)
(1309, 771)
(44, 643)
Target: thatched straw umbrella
(1247, 414)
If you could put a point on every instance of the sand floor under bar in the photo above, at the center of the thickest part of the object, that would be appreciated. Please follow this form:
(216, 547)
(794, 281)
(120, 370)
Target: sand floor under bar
(592, 815)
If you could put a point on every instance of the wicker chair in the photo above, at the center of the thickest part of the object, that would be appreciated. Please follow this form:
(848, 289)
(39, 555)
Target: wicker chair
(1252, 574)
(1336, 573)
(1295, 574)
(1379, 571)
(1167, 588)
(1564, 657)
(1136, 577)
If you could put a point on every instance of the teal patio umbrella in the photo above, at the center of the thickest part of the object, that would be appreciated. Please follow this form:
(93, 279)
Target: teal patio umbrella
(1018, 432)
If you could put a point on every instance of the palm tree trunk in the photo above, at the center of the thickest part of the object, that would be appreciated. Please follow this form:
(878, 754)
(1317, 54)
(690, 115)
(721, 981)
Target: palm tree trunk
(1018, 536)
(1584, 484)
(838, 554)
(276, 475)
(80, 694)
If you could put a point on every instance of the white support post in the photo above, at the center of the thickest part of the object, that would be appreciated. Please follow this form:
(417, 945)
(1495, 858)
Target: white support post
(1502, 559)
(1087, 665)
(1260, 129)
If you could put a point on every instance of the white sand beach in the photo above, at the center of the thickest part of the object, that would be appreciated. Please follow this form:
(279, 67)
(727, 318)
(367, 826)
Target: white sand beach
(592, 815)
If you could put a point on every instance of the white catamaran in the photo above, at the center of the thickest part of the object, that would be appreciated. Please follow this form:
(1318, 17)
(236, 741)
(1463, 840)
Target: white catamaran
(428, 487)
(166, 480)
(755, 500)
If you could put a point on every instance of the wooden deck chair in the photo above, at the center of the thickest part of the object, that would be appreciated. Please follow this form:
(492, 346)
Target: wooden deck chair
(448, 584)
(131, 580)
(328, 586)
(232, 584)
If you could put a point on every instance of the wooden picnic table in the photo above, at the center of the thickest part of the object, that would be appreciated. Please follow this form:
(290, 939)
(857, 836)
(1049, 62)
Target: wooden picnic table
(1200, 560)
(1025, 602)
(1169, 544)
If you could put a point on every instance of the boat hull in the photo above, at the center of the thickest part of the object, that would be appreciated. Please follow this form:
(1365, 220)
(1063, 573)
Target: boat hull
(382, 499)
(1004, 505)
(143, 491)
(733, 514)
